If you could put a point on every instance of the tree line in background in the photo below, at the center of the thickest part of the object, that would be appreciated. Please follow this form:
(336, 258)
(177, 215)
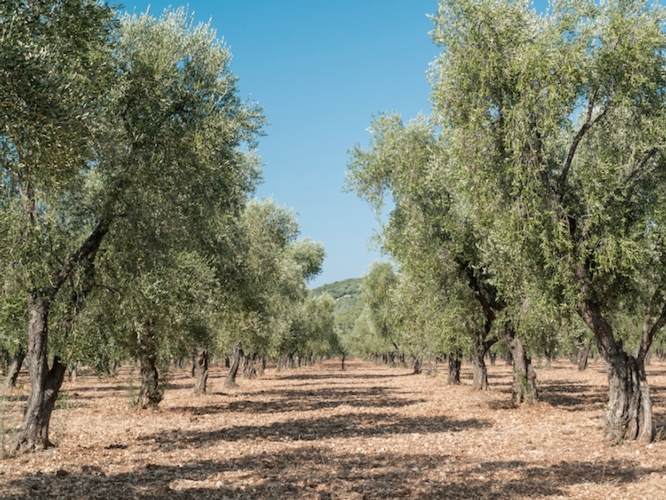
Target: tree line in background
(127, 161)
(528, 210)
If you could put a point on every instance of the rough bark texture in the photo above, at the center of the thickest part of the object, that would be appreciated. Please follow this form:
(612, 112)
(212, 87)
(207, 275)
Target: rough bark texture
(482, 345)
(249, 371)
(201, 370)
(454, 367)
(236, 355)
(628, 415)
(45, 382)
(15, 368)
(584, 354)
(479, 370)
(524, 376)
(150, 393)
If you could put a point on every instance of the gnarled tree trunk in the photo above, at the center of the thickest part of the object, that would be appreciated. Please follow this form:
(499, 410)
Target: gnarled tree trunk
(44, 382)
(417, 366)
(150, 393)
(236, 355)
(584, 354)
(524, 376)
(479, 370)
(201, 370)
(628, 415)
(248, 368)
(455, 360)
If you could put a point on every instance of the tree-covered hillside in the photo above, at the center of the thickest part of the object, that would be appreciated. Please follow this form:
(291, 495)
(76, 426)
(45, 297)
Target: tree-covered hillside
(348, 304)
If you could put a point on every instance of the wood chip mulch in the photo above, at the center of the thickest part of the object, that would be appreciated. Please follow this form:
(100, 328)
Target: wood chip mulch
(322, 433)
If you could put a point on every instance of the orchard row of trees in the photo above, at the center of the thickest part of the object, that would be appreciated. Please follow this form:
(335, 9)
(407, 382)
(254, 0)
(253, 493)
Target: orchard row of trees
(530, 206)
(127, 162)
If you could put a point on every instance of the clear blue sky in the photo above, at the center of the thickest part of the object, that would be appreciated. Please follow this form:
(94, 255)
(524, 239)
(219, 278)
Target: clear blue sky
(320, 70)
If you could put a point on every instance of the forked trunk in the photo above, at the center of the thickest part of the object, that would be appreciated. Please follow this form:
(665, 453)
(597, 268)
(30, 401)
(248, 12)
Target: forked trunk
(524, 376)
(236, 355)
(455, 360)
(44, 382)
(150, 393)
(584, 354)
(15, 368)
(628, 415)
(201, 370)
(482, 345)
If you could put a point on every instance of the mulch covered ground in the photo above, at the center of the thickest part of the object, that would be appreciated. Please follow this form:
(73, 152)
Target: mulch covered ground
(318, 432)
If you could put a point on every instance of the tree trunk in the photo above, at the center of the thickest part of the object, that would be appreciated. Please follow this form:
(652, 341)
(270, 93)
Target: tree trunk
(629, 411)
(72, 372)
(628, 415)
(584, 354)
(150, 393)
(342, 359)
(417, 366)
(454, 367)
(524, 376)
(44, 382)
(201, 370)
(248, 368)
(479, 370)
(262, 366)
(236, 355)
(15, 368)
(493, 357)
(5, 360)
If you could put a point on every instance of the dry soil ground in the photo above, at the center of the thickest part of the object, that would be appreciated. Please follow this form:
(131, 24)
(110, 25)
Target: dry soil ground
(317, 432)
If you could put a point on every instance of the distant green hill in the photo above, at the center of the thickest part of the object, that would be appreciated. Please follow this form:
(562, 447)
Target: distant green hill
(348, 303)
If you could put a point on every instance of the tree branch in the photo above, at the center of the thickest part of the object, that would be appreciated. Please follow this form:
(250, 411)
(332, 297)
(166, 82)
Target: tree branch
(589, 122)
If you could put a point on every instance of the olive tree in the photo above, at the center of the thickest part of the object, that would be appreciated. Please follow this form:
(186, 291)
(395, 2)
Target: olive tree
(555, 126)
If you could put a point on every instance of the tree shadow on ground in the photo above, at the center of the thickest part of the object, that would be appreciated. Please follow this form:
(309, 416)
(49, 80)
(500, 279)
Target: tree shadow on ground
(289, 401)
(343, 375)
(311, 429)
(573, 396)
(318, 473)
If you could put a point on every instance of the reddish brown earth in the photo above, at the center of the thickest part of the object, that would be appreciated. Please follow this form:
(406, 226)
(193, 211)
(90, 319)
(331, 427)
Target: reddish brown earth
(317, 432)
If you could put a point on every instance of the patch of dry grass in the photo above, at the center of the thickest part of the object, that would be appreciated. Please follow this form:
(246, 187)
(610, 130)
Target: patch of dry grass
(317, 432)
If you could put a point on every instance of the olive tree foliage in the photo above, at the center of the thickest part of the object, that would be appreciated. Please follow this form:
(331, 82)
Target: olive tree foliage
(153, 153)
(190, 142)
(374, 332)
(265, 311)
(447, 300)
(555, 126)
(56, 66)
